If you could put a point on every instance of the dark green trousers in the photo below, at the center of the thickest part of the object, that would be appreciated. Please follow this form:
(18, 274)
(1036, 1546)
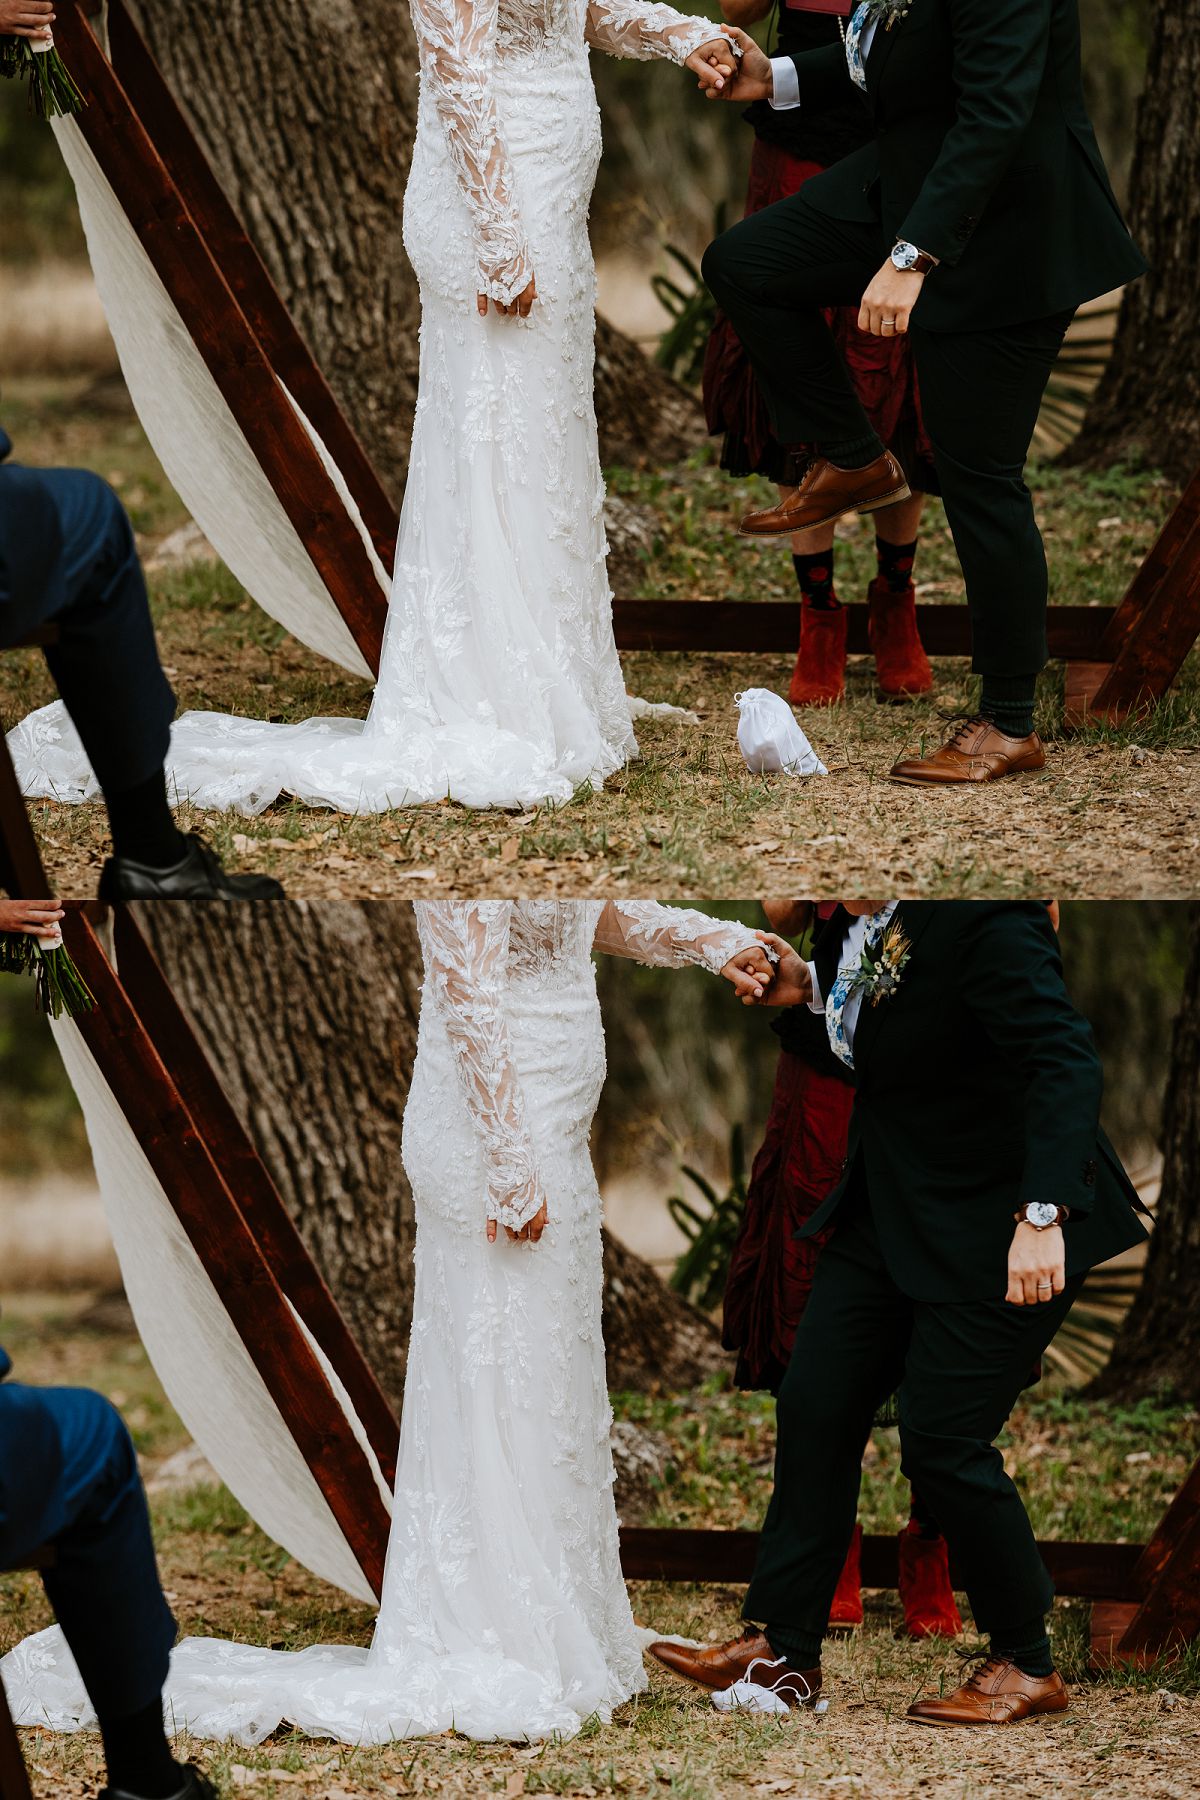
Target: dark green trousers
(774, 273)
(958, 1370)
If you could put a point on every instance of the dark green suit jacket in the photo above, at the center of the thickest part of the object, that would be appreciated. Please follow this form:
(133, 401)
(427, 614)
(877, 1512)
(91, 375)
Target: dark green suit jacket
(984, 155)
(977, 1090)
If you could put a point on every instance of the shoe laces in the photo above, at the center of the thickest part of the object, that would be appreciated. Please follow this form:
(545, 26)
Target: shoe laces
(960, 728)
(986, 1664)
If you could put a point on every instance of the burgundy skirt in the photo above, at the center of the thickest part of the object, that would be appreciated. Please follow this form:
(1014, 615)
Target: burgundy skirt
(881, 368)
(771, 1270)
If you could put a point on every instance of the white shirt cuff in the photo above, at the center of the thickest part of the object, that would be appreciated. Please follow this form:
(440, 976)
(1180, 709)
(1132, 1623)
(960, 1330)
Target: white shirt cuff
(785, 84)
(816, 1003)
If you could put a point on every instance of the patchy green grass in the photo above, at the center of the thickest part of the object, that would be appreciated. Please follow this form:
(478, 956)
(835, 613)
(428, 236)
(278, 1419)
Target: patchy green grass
(1114, 813)
(1086, 1470)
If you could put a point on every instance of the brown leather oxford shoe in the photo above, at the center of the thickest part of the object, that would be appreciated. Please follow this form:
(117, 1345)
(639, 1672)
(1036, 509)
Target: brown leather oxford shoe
(998, 1693)
(720, 1665)
(826, 492)
(973, 750)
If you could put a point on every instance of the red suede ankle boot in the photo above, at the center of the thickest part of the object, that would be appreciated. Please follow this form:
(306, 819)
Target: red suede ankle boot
(925, 1591)
(847, 1608)
(819, 678)
(901, 666)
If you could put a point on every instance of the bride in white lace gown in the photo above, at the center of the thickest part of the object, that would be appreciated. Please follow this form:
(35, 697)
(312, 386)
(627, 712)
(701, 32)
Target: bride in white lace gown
(500, 683)
(504, 1613)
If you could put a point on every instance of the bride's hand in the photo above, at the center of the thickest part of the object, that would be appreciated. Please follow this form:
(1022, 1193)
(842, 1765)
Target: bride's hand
(521, 306)
(752, 80)
(792, 985)
(750, 974)
(529, 1233)
(714, 63)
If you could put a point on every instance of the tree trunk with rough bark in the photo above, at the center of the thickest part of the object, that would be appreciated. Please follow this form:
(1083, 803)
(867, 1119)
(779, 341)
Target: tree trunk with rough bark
(1159, 1345)
(1147, 405)
(308, 1012)
(307, 113)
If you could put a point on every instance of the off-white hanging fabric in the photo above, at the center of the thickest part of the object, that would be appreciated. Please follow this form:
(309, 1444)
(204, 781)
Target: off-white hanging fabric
(194, 434)
(204, 1367)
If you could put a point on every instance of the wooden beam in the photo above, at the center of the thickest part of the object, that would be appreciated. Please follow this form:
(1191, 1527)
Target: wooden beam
(1154, 570)
(22, 872)
(219, 1233)
(170, 130)
(222, 334)
(245, 1174)
(1168, 1579)
(1155, 636)
(1079, 1570)
(771, 627)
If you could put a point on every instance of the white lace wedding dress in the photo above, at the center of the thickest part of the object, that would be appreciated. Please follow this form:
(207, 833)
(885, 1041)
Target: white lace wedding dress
(504, 1613)
(500, 683)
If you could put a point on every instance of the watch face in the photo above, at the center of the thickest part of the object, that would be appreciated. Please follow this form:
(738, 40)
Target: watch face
(905, 255)
(1041, 1213)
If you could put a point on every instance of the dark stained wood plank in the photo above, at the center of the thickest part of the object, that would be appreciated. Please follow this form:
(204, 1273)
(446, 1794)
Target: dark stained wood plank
(222, 334)
(246, 1176)
(14, 1776)
(1168, 1578)
(22, 873)
(184, 1165)
(771, 626)
(1154, 570)
(1155, 640)
(1080, 1570)
(171, 132)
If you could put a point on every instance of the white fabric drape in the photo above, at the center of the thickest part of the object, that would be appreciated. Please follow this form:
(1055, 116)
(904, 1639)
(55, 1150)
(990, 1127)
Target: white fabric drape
(194, 434)
(198, 1356)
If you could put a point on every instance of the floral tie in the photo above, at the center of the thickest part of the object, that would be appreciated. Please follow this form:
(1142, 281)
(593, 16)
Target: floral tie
(854, 55)
(843, 988)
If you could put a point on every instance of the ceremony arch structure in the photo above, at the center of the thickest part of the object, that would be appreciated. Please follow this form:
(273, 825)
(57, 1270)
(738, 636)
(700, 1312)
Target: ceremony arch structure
(1145, 1597)
(1118, 658)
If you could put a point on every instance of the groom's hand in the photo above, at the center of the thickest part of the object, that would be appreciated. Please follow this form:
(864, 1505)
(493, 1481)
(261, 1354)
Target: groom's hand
(26, 18)
(752, 79)
(36, 918)
(1037, 1265)
(792, 985)
(750, 974)
(889, 301)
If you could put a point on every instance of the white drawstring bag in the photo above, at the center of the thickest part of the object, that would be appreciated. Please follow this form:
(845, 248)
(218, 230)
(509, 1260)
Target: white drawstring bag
(769, 737)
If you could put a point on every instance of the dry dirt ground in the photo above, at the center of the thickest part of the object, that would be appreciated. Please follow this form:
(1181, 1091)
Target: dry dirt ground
(1115, 813)
(1086, 1470)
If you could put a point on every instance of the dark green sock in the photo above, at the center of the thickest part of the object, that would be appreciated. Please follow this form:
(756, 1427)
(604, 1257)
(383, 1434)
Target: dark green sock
(800, 1649)
(1026, 1645)
(1007, 700)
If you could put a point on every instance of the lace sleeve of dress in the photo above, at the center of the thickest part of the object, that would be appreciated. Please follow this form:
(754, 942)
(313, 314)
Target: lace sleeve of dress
(466, 958)
(640, 30)
(457, 44)
(671, 937)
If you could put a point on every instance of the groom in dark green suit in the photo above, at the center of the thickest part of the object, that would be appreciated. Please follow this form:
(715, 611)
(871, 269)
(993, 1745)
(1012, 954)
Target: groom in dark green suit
(979, 218)
(978, 1190)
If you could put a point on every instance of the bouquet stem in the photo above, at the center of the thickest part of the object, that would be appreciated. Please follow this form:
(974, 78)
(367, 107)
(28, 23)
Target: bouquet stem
(58, 986)
(51, 89)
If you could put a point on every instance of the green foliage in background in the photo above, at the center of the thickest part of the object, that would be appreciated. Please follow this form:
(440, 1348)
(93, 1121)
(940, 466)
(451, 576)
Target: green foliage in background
(699, 1274)
(41, 1128)
(37, 201)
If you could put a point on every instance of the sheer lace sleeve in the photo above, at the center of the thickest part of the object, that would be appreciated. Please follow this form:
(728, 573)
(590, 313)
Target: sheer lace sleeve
(466, 957)
(457, 44)
(671, 936)
(640, 30)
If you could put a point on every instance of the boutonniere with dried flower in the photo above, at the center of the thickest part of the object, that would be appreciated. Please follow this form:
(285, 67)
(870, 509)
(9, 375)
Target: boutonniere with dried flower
(881, 967)
(888, 11)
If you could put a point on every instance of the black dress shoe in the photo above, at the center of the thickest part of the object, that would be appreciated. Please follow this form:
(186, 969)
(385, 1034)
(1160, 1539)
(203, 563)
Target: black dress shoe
(193, 1786)
(197, 875)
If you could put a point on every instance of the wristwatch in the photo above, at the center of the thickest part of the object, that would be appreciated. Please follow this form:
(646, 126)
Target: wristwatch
(907, 256)
(1041, 1215)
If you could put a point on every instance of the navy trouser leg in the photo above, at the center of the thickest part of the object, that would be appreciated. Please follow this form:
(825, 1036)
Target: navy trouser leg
(772, 275)
(106, 664)
(69, 1477)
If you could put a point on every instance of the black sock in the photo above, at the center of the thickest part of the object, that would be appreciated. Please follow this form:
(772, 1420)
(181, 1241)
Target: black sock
(1007, 700)
(138, 1756)
(141, 824)
(799, 1649)
(815, 575)
(1026, 1645)
(852, 453)
(896, 563)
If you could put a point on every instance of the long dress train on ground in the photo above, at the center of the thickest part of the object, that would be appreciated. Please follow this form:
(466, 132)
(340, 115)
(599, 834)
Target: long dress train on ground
(500, 683)
(504, 1613)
